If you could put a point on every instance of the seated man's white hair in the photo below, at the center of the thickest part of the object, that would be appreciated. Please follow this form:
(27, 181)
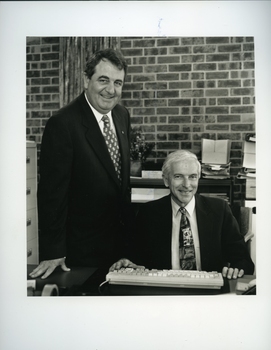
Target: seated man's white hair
(179, 156)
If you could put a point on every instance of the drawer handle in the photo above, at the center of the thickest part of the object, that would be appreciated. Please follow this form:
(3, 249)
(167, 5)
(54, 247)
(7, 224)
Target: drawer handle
(28, 191)
(28, 222)
(27, 160)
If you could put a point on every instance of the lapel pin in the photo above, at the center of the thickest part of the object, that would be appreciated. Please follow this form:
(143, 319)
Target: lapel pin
(122, 132)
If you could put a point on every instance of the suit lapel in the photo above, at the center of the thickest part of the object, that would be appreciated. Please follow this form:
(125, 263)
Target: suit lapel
(96, 139)
(163, 231)
(205, 229)
(164, 216)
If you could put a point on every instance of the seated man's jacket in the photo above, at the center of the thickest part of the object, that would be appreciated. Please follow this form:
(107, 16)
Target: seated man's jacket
(219, 236)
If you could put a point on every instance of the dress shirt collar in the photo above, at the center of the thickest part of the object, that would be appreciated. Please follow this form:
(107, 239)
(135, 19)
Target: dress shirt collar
(189, 207)
(97, 114)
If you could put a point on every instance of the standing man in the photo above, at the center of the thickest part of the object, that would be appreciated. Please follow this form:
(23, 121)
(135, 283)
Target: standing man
(187, 231)
(83, 192)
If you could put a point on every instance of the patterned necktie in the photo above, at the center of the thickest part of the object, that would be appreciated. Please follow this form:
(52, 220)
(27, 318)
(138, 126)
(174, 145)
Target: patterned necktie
(112, 145)
(186, 248)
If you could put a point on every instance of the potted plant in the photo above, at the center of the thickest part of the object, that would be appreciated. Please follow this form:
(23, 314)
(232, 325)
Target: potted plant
(139, 151)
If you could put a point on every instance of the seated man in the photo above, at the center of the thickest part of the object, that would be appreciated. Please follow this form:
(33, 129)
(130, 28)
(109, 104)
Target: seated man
(185, 230)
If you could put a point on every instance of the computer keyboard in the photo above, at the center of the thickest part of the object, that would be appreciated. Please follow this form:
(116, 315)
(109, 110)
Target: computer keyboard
(166, 278)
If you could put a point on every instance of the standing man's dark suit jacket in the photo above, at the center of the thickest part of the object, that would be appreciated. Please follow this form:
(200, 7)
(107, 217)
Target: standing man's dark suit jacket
(220, 240)
(81, 203)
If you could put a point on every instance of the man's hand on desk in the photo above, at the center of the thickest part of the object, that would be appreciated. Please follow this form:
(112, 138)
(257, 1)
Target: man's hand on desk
(232, 273)
(125, 263)
(47, 267)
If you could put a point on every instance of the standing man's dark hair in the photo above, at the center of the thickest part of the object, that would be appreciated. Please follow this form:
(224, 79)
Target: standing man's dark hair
(115, 57)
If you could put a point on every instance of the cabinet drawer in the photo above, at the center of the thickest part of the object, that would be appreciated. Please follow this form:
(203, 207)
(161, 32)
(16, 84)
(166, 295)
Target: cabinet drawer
(32, 251)
(31, 162)
(31, 193)
(31, 224)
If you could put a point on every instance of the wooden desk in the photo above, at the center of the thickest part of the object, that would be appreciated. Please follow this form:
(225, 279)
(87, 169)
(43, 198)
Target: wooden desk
(66, 281)
(85, 281)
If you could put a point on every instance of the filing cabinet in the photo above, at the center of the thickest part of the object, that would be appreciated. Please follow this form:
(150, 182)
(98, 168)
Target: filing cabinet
(31, 203)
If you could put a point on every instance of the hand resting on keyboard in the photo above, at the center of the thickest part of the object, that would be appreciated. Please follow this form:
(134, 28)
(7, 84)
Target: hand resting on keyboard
(232, 273)
(125, 263)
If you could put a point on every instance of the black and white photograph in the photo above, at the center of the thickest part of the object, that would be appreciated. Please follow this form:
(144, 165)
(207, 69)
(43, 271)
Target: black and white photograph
(131, 207)
(180, 134)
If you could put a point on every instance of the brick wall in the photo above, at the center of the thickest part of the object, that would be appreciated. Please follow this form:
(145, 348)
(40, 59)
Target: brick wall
(42, 83)
(178, 90)
(181, 90)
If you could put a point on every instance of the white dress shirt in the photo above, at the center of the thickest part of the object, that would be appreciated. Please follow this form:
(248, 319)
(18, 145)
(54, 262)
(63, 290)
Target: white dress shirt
(176, 219)
(99, 116)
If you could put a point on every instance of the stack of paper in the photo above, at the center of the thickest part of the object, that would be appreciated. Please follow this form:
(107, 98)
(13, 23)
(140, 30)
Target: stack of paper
(215, 159)
(215, 171)
(249, 158)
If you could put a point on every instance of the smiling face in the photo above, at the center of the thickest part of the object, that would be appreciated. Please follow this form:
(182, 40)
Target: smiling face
(104, 88)
(182, 180)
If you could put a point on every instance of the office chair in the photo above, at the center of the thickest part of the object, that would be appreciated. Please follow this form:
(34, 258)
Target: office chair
(243, 216)
(246, 223)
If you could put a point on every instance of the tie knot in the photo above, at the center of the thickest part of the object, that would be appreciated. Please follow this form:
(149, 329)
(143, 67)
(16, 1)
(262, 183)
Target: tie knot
(183, 211)
(106, 120)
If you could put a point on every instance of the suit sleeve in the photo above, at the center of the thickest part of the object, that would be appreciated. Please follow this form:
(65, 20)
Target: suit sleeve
(55, 173)
(234, 248)
(139, 252)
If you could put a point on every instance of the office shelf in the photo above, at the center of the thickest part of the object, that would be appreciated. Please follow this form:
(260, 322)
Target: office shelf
(209, 187)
